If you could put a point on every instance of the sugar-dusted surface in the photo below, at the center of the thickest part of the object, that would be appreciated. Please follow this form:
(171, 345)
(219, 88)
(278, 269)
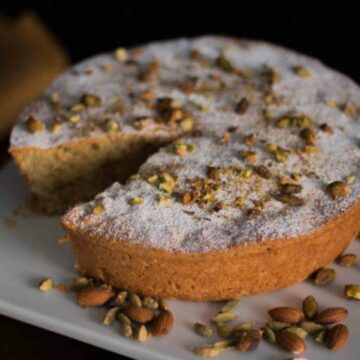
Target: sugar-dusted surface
(190, 228)
(29, 251)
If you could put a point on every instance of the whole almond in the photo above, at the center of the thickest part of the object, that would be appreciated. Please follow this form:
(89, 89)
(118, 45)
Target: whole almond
(163, 323)
(290, 342)
(287, 314)
(139, 314)
(337, 337)
(331, 315)
(94, 295)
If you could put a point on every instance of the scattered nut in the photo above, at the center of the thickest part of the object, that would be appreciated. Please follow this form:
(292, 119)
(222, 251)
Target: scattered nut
(46, 284)
(324, 276)
(163, 323)
(94, 295)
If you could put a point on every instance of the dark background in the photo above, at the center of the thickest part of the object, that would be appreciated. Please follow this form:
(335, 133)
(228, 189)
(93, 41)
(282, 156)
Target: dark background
(327, 30)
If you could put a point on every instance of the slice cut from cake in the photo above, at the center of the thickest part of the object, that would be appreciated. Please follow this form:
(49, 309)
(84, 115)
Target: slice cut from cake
(259, 184)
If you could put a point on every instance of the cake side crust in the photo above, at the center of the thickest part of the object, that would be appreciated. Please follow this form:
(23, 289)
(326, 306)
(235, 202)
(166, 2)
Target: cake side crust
(224, 274)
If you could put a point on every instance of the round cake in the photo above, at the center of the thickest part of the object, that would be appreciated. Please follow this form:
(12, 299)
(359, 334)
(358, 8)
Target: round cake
(256, 187)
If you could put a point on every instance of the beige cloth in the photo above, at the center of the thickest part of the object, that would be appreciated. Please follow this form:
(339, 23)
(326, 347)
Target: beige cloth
(30, 58)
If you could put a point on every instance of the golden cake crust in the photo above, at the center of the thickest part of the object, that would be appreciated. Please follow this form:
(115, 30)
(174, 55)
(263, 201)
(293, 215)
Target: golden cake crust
(217, 275)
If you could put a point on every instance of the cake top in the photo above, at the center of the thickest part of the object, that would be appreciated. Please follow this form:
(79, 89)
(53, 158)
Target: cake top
(270, 145)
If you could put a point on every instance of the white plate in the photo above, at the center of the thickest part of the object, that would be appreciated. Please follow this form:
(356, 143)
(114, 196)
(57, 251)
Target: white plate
(30, 251)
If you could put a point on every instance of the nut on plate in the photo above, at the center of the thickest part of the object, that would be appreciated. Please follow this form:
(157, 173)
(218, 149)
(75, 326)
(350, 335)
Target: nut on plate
(163, 323)
(94, 295)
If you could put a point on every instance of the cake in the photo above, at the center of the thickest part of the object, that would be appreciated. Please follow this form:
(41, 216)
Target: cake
(252, 180)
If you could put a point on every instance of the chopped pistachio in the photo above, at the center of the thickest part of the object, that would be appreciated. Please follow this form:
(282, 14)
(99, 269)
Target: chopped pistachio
(135, 177)
(225, 64)
(90, 100)
(269, 335)
(226, 138)
(320, 336)
(203, 330)
(350, 179)
(310, 307)
(136, 201)
(142, 333)
(119, 299)
(302, 333)
(347, 260)
(163, 200)
(121, 54)
(135, 300)
(223, 330)
(281, 154)
(195, 54)
(332, 103)
(187, 124)
(126, 330)
(283, 123)
(246, 173)
(338, 189)
(296, 177)
(206, 351)
(181, 149)
(324, 276)
(123, 319)
(310, 150)
(79, 107)
(46, 284)
(55, 126)
(263, 172)
(242, 106)
(240, 201)
(271, 148)
(34, 125)
(291, 189)
(151, 72)
(230, 305)
(311, 327)
(291, 200)
(111, 315)
(98, 209)
(111, 125)
(326, 128)
(73, 118)
(250, 140)
(150, 303)
(152, 179)
(248, 155)
(308, 135)
(223, 317)
(107, 68)
(351, 110)
(303, 72)
(352, 292)
(277, 325)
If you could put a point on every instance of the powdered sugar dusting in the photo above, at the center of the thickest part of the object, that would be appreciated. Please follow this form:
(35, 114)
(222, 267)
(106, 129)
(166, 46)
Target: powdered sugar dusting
(190, 228)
